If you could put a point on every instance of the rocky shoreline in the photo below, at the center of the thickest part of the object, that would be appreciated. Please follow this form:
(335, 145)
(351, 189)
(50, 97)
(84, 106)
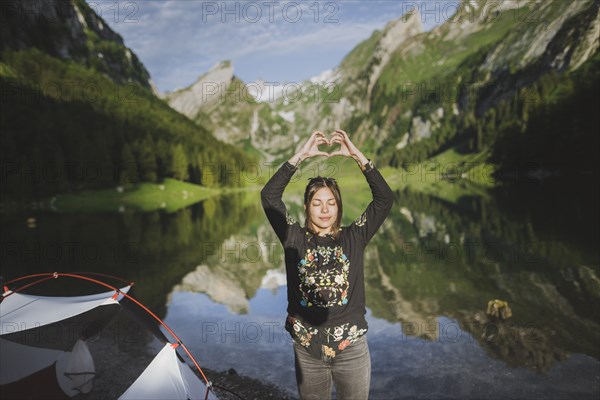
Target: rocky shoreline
(229, 385)
(121, 353)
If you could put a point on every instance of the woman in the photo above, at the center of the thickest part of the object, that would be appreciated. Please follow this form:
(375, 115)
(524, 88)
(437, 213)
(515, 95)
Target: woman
(325, 278)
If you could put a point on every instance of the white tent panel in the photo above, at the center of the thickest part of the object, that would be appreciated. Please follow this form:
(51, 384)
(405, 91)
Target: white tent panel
(167, 378)
(75, 370)
(18, 361)
(19, 312)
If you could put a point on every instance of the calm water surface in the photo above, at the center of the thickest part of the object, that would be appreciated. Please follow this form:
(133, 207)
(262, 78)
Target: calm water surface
(215, 272)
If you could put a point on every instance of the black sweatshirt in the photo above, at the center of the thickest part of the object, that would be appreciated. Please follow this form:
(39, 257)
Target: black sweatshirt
(325, 276)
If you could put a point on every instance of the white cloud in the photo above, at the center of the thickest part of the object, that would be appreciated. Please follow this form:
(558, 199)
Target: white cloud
(179, 40)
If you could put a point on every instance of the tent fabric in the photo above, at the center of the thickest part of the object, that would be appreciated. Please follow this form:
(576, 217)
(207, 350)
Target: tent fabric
(18, 361)
(41, 339)
(75, 370)
(61, 335)
(48, 374)
(40, 385)
(23, 311)
(167, 378)
(55, 322)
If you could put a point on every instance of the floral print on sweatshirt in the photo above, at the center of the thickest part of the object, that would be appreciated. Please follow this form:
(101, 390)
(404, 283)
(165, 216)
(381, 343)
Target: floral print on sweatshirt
(323, 276)
(324, 341)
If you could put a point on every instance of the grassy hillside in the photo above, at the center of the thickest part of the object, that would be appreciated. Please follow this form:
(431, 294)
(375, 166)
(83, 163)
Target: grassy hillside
(489, 91)
(170, 195)
(66, 127)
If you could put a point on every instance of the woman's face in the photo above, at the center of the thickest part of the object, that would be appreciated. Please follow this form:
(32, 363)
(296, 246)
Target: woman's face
(322, 211)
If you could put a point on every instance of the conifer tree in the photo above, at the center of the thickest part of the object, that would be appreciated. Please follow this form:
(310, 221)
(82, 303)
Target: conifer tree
(179, 163)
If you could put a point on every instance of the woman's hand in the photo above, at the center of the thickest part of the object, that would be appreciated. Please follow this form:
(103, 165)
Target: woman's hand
(348, 149)
(311, 148)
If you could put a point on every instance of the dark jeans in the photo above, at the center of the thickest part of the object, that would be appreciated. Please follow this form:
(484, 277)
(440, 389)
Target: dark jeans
(349, 371)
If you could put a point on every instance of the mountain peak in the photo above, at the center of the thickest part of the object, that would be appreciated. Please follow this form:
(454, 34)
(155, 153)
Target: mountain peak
(203, 93)
(225, 64)
(218, 73)
(407, 25)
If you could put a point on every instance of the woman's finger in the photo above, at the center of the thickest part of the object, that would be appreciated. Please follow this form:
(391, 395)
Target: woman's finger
(315, 135)
(337, 137)
(346, 138)
(344, 135)
(338, 140)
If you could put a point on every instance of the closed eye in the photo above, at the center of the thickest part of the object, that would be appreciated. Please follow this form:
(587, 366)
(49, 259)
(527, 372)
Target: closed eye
(330, 203)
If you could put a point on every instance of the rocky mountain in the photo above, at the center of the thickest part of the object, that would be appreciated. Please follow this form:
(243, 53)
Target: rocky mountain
(234, 112)
(265, 119)
(70, 30)
(408, 95)
(205, 93)
(76, 99)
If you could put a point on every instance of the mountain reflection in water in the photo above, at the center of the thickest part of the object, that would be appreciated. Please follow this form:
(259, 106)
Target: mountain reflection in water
(215, 271)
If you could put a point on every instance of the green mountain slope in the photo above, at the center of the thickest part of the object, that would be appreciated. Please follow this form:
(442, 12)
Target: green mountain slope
(486, 84)
(480, 86)
(72, 120)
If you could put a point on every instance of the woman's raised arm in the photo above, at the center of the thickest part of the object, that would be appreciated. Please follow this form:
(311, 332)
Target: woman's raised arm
(272, 193)
(383, 197)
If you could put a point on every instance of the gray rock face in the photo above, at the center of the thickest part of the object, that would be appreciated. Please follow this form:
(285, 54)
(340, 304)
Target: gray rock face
(422, 129)
(205, 93)
(527, 43)
(65, 29)
(395, 34)
(218, 285)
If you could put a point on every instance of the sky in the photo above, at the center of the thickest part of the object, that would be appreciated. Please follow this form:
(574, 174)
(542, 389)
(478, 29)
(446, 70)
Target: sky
(275, 41)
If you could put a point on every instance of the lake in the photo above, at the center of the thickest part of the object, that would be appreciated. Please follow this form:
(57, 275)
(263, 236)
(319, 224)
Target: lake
(214, 271)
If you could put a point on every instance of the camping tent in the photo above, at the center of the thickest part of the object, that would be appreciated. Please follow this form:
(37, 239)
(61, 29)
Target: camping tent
(43, 353)
(42, 340)
(166, 378)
